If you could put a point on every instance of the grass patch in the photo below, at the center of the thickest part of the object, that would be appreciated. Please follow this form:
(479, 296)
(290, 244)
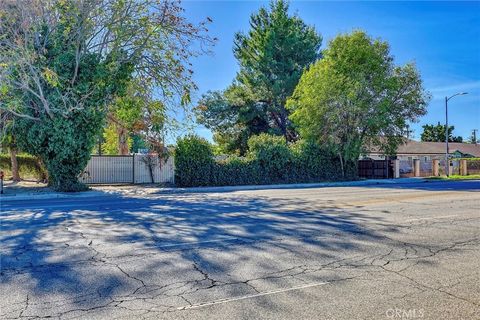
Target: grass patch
(456, 177)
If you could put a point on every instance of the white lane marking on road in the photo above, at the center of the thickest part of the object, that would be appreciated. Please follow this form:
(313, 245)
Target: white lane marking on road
(434, 218)
(205, 304)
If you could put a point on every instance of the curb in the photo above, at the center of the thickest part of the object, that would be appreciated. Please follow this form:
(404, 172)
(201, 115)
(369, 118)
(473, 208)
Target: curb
(299, 185)
(46, 196)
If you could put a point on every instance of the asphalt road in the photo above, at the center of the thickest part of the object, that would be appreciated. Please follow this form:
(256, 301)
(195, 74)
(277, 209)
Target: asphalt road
(379, 252)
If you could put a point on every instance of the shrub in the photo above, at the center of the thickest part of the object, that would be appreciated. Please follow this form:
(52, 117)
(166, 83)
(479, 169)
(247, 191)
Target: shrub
(273, 156)
(28, 166)
(193, 162)
(473, 165)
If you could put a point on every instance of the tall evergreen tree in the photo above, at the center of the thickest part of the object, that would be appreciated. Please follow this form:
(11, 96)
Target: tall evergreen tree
(272, 57)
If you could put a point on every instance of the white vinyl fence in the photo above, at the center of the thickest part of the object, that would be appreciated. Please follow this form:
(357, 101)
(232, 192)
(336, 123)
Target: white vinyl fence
(128, 169)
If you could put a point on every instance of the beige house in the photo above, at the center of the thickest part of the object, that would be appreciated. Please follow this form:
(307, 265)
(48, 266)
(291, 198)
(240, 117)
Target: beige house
(427, 151)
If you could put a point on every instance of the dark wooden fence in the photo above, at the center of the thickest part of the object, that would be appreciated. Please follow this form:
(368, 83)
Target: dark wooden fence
(375, 169)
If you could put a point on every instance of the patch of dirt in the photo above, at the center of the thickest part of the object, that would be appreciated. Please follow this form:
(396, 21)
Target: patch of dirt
(24, 186)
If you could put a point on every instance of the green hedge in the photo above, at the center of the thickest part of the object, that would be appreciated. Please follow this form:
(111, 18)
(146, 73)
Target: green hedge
(28, 167)
(235, 171)
(193, 161)
(270, 160)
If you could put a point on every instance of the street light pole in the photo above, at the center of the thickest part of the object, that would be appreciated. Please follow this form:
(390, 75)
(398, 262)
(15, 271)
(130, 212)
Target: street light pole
(447, 162)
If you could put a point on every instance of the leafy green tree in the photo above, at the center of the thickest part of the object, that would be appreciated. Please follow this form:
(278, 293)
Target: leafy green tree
(139, 113)
(436, 133)
(137, 143)
(356, 97)
(63, 62)
(272, 57)
(111, 140)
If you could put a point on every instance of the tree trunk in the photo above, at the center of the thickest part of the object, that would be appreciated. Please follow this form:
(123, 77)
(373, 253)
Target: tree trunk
(43, 175)
(283, 125)
(100, 140)
(280, 120)
(122, 141)
(342, 165)
(150, 170)
(13, 159)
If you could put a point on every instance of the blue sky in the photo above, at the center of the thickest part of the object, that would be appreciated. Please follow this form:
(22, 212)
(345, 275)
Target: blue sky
(442, 38)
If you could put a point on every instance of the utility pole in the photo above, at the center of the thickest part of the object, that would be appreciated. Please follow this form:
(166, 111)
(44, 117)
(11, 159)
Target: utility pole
(447, 161)
(408, 132)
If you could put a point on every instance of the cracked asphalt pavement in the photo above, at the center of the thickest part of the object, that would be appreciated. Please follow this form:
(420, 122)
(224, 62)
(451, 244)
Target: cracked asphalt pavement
(372, 252)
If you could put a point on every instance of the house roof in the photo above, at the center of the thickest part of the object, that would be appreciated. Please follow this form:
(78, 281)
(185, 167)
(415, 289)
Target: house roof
(418, 147)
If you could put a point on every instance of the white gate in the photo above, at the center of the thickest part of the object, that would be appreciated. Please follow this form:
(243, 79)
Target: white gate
(128, 169)
(108, 169)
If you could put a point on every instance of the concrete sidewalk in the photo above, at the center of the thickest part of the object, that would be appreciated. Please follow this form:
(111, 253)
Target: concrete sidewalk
(142, 190)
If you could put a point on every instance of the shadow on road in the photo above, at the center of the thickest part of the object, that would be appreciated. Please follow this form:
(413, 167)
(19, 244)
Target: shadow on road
(93, 252)
(84, 252)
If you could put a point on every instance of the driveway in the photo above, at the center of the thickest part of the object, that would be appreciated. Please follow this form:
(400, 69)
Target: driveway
(373, 252)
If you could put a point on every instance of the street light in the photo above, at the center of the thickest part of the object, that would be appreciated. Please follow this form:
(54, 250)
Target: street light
(447, 163)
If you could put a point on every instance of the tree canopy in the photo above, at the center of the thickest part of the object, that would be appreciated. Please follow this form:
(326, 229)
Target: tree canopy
(63, 62)
(355, 97)
(272, 56)
(436, 133)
